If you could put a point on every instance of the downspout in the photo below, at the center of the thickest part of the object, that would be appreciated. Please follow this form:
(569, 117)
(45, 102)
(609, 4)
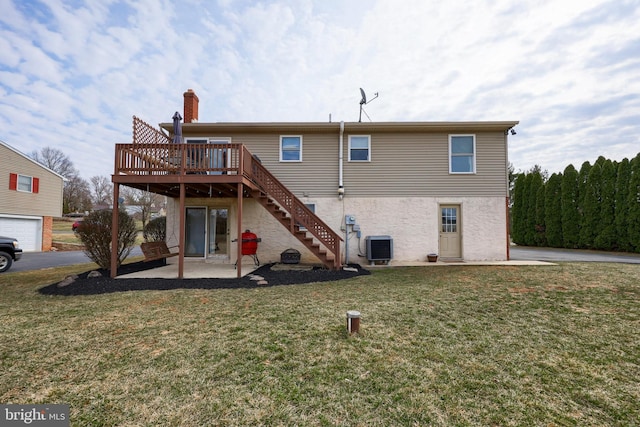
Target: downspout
(341, 188)
(340, 162)
(508, 196)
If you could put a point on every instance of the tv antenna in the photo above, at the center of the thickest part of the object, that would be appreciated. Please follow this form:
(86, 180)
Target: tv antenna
(364, 101)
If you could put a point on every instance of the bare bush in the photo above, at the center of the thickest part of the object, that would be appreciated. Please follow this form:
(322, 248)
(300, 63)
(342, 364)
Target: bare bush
(95, 234)
(155, 230)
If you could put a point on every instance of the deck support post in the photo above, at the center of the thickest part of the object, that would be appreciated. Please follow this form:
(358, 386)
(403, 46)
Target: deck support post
(182, 231)
(239, 222)
(114, 230)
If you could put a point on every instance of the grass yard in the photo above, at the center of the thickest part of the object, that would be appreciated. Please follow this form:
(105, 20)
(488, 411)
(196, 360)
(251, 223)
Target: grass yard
(447, 346)
(62, 231)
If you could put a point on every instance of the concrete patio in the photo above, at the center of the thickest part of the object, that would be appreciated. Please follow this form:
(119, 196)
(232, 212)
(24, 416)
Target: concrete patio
(193, 269)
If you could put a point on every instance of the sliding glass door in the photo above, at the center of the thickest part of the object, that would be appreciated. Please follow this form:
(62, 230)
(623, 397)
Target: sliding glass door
(218, 244)
(206, 232)
(195, 232)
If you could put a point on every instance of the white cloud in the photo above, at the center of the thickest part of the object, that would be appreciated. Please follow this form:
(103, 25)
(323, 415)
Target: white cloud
(73, 73)
(8, 54)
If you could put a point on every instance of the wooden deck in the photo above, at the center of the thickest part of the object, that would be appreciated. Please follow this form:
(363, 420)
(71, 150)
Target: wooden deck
(154, 163)
(210, 170)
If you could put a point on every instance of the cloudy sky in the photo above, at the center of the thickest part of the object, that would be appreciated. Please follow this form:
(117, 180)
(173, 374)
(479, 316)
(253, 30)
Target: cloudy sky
(73, 73)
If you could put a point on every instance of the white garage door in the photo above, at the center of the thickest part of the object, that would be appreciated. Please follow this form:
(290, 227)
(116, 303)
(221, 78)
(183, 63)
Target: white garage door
(28, 231)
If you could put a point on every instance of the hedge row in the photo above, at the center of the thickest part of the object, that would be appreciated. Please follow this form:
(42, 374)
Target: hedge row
(597, 207)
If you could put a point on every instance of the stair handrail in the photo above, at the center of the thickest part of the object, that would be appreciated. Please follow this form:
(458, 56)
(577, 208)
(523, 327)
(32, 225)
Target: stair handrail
(300, 214)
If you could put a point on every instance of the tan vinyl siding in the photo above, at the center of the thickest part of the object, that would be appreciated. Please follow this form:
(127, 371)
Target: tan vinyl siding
(316, 175)
(48, 200)
(413, 165)
(404, 162)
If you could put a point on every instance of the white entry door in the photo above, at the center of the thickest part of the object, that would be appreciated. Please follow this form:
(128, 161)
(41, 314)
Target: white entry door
(450, 232)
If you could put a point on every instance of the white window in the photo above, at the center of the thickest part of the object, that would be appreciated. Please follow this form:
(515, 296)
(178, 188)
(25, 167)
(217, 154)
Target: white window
(359, 148)
(291, 148)
(462, 154)
(25, 183)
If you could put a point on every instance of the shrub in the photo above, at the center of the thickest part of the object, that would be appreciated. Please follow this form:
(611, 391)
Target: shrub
(155, 230)
(95, 235)
(591, 195)
(623, 185)
(570, 207)
(553, 211)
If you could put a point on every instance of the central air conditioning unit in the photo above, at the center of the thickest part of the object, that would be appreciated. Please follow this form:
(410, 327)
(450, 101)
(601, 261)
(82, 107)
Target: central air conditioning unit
(379, 248)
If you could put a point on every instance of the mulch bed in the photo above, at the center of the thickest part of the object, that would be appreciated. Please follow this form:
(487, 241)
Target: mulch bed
(103, 284)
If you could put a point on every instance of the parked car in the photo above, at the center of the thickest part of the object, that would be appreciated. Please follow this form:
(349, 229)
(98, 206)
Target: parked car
(75, 225)
(9, 252)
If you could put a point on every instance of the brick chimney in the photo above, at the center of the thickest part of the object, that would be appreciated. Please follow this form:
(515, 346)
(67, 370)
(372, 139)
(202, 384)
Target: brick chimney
(190, 106)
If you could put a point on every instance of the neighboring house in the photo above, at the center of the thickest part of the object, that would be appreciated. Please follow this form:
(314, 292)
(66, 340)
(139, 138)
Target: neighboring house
(432, 187)
(30, 197)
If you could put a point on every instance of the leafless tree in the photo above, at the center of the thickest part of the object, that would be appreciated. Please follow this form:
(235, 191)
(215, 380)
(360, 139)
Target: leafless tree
(538, 169)
(55, 160)
(76, 195)
(102, 190)
(145, 201)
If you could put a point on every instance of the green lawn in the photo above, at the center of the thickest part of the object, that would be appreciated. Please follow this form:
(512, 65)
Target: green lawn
(477, 346)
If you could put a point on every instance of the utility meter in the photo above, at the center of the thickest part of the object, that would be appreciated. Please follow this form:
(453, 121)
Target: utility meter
(350, 219)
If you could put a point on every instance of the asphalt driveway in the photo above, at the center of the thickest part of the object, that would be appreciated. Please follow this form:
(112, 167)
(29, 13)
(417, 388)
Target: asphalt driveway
(39, 260)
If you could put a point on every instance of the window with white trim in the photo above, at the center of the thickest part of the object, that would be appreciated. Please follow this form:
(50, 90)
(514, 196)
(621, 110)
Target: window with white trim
(25, 183)
(359, 148)
(290, 148)
(462, 154)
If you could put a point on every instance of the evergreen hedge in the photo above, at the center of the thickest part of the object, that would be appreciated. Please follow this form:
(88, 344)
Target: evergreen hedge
(597, 207)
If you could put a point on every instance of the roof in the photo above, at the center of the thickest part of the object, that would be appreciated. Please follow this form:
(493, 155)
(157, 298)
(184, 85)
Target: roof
(259, 127)
(4, 144)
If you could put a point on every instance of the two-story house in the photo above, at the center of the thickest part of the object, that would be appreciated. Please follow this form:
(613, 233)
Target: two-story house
(30, 197)
(338, 192)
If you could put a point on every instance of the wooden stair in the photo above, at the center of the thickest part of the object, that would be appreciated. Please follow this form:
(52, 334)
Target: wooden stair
(301, 233)
(292, 213)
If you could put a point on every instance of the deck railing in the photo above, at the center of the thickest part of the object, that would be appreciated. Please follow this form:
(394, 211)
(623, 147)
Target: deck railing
(163, 159)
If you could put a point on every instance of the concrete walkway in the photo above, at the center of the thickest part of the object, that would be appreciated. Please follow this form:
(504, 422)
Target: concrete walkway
(451, 263)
